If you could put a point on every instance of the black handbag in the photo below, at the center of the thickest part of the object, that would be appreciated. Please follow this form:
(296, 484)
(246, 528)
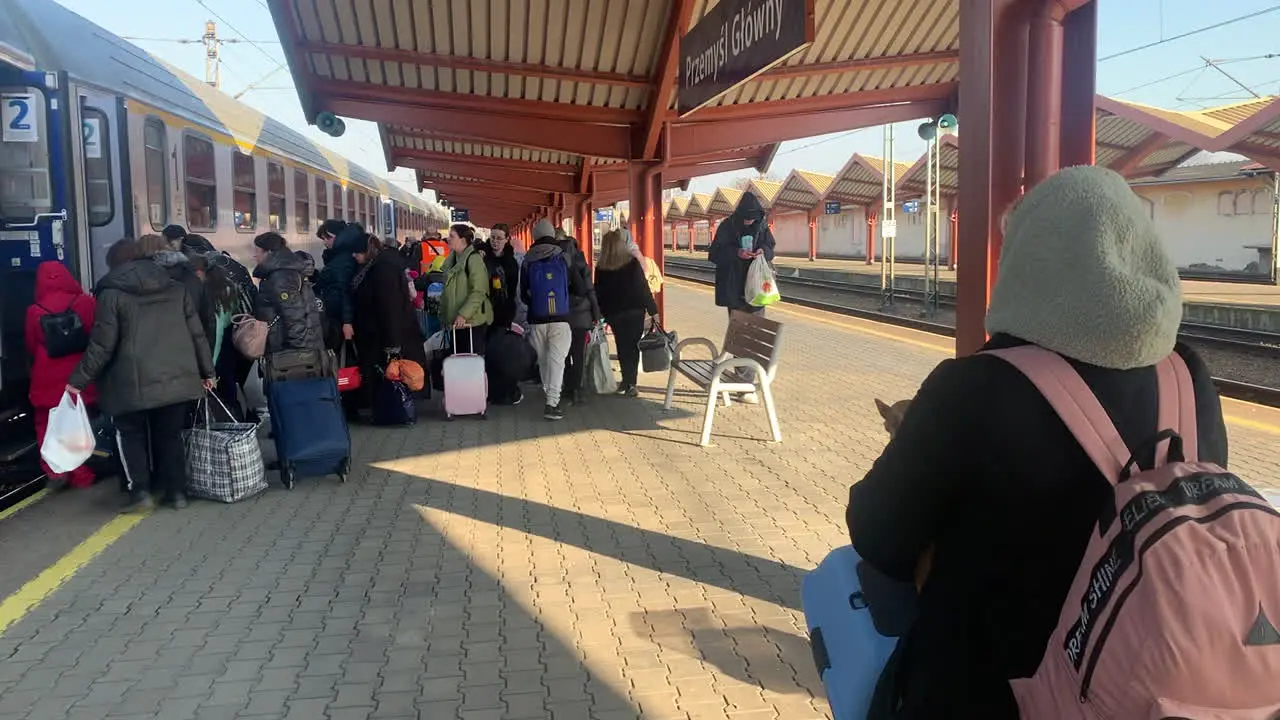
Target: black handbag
(657, 347)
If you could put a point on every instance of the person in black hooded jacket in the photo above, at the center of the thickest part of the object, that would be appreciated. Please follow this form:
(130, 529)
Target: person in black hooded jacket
(156, 248)
(384, 317)
(742, 237)
(286, 301)
(500, 259)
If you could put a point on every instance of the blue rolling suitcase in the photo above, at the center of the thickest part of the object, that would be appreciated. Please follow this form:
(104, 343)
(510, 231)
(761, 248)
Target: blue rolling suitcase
(848, 648)
(310, 429)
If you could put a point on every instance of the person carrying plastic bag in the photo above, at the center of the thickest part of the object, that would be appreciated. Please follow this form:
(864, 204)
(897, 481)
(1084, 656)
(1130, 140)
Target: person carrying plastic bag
(762, 284)
(740, 240)
(56, 334)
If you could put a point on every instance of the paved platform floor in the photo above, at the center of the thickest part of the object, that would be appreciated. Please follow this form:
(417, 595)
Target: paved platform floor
(602, 567)
(1212, 293)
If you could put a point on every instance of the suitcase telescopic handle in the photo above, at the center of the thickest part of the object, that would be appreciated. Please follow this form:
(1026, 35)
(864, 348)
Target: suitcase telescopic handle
(471, 335)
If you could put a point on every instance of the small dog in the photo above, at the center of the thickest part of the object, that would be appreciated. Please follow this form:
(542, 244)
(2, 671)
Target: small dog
(893, 415)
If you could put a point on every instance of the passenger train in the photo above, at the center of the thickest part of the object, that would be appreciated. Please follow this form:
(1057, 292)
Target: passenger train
(101, 140)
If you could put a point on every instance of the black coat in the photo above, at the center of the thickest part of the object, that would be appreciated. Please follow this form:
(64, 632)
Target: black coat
(384, 314)
(983, 469)
(147, 348)
(504, 303)
(624, 289)
(286, 299)
(181, 270)
(731, 270)
(334, 283)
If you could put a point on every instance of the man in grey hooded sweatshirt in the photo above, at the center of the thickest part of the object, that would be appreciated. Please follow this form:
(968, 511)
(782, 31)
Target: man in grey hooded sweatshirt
(549, 328)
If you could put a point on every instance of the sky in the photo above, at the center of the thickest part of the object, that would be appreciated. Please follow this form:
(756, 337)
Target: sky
(1171, 74)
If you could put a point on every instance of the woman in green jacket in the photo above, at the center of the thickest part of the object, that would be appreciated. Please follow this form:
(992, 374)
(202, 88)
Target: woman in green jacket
(465, 301)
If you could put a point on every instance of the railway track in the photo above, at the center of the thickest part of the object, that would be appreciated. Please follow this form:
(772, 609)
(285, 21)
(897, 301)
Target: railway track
(1261, 346)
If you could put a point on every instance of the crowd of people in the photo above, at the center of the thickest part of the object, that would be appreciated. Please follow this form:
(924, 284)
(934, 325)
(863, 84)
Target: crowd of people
(161, 327)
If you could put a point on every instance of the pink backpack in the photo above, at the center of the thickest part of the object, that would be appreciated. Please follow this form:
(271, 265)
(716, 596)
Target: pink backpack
(1175, 610)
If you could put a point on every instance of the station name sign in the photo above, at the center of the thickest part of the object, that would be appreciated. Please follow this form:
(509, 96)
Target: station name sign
(736, 41)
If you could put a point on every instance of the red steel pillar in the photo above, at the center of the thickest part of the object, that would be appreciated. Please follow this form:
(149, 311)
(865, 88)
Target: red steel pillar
(955, 234)
(636, 196)
(1079, 83)
(654, 245)
(583, 229)
(993, 33)
(871, 235)
(1044, 95)
(813, 235)
(692, 234)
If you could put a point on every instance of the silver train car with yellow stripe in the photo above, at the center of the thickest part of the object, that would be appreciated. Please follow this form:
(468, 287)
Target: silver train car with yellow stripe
(101, 140)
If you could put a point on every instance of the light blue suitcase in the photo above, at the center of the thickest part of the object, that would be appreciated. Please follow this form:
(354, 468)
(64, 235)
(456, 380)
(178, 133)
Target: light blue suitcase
(849, 651)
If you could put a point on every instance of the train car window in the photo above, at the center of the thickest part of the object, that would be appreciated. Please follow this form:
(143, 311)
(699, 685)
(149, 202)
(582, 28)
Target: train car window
(155, 148)
(351, 205)
(301, 202)
(201, 183)
(322, 200)
(97, 167)
(335, 195)
(276, 209)
(24, 162)
(244, 197)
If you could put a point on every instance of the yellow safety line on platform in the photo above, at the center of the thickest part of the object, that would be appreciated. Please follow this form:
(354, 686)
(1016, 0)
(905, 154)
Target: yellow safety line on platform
(9, 512)
(16, 606)
(820, 316)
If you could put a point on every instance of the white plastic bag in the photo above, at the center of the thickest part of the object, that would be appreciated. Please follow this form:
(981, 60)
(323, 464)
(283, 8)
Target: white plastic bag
(68, 441)
(762, 285)
(599, 368)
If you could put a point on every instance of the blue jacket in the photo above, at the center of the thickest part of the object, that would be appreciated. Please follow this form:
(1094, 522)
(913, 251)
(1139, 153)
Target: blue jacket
(334, 282)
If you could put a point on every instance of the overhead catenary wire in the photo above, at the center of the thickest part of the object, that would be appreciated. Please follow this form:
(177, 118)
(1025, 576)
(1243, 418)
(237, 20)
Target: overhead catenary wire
(236, 30)
(1189, 33)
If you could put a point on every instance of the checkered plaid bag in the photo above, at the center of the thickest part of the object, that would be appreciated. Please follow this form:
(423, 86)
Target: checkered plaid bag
(224, 462)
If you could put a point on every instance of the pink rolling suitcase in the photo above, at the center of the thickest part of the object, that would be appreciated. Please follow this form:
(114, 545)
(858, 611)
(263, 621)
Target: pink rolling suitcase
(466, 387)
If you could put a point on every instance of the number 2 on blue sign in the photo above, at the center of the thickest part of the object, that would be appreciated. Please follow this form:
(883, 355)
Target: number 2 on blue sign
(18, 121)
(87, 131)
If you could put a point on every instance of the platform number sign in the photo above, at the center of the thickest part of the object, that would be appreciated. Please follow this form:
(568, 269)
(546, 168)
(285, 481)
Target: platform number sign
(92, 130)
(831, 207)
(911, 206)
(20, 119)
(461, 215)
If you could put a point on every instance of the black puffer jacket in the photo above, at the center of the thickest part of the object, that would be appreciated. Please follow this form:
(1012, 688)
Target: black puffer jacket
(731, 270)
(148, 348)
(287, 302)
(181, 270)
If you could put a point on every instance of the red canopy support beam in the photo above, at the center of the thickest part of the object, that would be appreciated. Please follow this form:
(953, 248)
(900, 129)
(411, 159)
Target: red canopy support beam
(1131, 160)
(664, 78)
(1079, 86)
(547, 182)
(401, 154)
(813, 234)
(654, 249)
(455, 189)
(993, 106)
(888, 62)
(1044, 95)
(871, 234)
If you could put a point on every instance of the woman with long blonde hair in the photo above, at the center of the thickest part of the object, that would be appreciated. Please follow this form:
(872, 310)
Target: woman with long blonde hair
(625, 301)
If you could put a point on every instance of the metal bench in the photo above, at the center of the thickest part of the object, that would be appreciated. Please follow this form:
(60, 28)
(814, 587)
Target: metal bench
(747, 364)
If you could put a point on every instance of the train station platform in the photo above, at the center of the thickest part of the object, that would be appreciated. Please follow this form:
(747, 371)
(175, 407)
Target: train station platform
(602, 567)
(1228, 304)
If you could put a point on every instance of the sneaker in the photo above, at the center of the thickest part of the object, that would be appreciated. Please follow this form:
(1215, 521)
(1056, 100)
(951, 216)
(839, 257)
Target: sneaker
(517, 397)
(631, 391)
(138, 503)
(749, 398)
(56, 483)
(553, 412)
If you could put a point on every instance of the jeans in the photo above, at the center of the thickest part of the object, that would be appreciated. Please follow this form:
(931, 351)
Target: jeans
(575, 364)
(628, 327)
(552, 342)
(151, 450)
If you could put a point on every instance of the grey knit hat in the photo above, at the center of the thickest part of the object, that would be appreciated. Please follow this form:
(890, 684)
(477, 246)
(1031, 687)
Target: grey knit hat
(1083, 273)
(543, 229)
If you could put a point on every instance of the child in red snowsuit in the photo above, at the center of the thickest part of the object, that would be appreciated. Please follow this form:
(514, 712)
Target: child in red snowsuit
(56, 292)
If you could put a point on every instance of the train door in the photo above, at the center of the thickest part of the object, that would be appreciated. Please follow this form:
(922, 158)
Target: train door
(33, 205)
(100, 163)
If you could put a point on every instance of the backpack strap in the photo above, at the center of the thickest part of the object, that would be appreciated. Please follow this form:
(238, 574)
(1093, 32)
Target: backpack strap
(1075, 403)
(1177, 407)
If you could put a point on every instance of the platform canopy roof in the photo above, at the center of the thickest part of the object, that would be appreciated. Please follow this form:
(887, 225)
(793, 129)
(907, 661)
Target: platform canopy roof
(676, 208)
(861, 180)
(803, 190)
(914, 181)
(765, 190)
(535, 96)
(1250, 128)
(699, 207)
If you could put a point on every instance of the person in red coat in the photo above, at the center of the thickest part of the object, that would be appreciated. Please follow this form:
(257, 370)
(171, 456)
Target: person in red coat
(56, 292)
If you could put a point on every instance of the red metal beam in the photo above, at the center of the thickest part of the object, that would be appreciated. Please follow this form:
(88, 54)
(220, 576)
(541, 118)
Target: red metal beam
(513, 108)
(499, 194)
(888, 62)
(1132, 159)
(609, 141)
(664, 77)
(1264, 154)
(287, 30)
(548, 182)
(456, 62)
(584, 176)
(485, 160)
(681, 173)
(820, 103)
(711, 137)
